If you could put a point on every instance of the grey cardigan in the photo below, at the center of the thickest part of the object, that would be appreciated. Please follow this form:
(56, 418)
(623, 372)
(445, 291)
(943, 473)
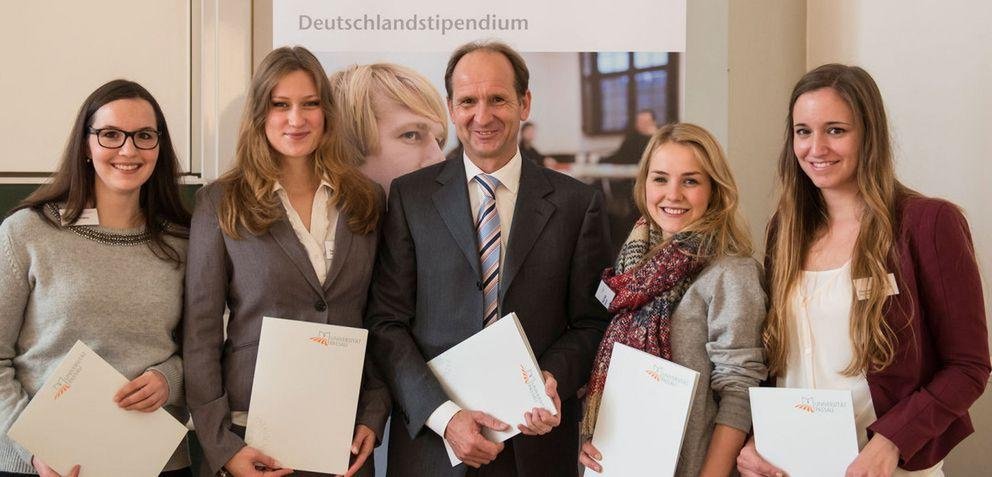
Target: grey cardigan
(57, 287)
(716, 330)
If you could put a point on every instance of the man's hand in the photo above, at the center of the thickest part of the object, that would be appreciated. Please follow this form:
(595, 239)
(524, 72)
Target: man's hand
(539, 421)
(251, 462)
(465, 437)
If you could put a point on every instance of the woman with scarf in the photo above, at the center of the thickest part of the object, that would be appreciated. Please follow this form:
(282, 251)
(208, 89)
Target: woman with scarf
(687, 290)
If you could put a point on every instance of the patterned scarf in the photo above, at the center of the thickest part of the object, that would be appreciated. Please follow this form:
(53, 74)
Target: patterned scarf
(646, 297)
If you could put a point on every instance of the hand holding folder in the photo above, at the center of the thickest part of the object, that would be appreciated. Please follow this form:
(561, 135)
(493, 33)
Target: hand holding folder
(73, 420)
(495, 371)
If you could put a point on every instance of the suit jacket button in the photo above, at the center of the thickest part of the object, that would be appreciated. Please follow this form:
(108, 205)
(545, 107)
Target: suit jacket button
(320, 306)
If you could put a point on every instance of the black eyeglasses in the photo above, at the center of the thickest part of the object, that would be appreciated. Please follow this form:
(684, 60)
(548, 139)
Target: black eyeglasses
(112, 138)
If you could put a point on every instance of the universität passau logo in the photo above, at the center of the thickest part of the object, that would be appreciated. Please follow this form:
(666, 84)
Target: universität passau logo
(658, 375)
(809, 405)
(527, 376)
(326, 338)
(63, 384)
(322, 338)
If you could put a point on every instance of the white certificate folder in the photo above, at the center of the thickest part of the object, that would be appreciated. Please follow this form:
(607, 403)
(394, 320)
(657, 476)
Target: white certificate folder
(73, 419)
(305, 393)
(643, 413)
(807, 432)
(493, 371)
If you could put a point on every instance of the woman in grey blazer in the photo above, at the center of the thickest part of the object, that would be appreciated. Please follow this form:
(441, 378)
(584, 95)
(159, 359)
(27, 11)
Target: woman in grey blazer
(289, 231)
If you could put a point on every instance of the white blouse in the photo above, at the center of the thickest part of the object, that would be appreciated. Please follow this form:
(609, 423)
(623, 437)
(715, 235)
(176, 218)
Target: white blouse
(319, 240)
(820, 347)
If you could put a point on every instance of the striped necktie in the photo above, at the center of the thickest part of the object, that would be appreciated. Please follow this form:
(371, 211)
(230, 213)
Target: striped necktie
(487, 230)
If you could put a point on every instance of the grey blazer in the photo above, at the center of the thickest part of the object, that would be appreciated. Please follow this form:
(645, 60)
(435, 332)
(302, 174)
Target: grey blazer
(264, 275)
(426, 297)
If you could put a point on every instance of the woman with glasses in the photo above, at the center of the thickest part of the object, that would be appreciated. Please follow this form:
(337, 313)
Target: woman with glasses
(288, 232)
(97, 255)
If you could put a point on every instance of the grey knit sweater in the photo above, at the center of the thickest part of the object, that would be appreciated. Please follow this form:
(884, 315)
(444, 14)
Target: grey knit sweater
(716, 330)
(56, 287)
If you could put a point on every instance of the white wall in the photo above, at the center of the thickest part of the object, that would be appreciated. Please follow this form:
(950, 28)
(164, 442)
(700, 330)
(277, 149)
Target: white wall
(933, 64)
(56, 53)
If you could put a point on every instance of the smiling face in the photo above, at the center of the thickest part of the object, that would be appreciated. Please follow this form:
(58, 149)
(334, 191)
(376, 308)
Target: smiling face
(295, 121)
(407, 142)
(486, 109)
(825, 140)
(125, 169)
(677, 190)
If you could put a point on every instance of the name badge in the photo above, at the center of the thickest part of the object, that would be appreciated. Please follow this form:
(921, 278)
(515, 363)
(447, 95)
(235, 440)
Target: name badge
(329, 250)
(864, 287)
(86, 217)
(605, 294)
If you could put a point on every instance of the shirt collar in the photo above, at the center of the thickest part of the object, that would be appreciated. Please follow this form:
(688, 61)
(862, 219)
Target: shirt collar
(508, 175)
(323, 183)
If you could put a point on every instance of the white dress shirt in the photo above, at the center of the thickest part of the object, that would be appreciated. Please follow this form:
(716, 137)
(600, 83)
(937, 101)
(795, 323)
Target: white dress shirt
(319, 240)
(820, 347)
(506, 200)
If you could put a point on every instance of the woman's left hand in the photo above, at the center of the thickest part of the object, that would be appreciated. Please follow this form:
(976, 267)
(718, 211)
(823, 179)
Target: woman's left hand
(878, 459)
(361, 447)
(146, 393)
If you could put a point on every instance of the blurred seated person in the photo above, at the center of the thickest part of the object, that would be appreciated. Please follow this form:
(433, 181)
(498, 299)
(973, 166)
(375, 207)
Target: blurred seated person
(527, 150)
(630, 150)
(619, 192)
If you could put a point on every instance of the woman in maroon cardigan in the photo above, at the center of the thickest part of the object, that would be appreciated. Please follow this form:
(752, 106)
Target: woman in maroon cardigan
(873, 287)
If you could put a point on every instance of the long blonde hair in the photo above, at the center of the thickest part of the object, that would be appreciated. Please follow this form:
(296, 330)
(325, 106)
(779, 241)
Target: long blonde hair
(249, 201)
(802, 215)
(355, 91)
(721, 226)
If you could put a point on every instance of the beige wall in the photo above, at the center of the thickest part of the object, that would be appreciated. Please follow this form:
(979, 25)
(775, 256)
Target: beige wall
(741, 61)
(766, 40)
(933, 64)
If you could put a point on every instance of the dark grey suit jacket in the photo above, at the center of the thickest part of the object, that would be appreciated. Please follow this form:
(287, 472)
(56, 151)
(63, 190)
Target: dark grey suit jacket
(426, 297)
(256, 276)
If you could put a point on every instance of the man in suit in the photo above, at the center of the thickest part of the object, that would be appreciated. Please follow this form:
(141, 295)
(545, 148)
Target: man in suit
(543, 246)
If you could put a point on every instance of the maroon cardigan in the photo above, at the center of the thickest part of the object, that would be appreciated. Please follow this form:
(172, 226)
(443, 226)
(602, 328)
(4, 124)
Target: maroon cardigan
(941, 364)
(942, 357)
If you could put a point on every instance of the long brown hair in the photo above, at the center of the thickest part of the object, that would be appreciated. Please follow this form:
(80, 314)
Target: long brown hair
(721, 226)
(248, 200)
(802, 216)
(74, 182)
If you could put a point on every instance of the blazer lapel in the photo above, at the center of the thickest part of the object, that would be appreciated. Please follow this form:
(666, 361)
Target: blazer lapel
(530, 215)
(451, 202)
(284, 235)
(343, 237)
